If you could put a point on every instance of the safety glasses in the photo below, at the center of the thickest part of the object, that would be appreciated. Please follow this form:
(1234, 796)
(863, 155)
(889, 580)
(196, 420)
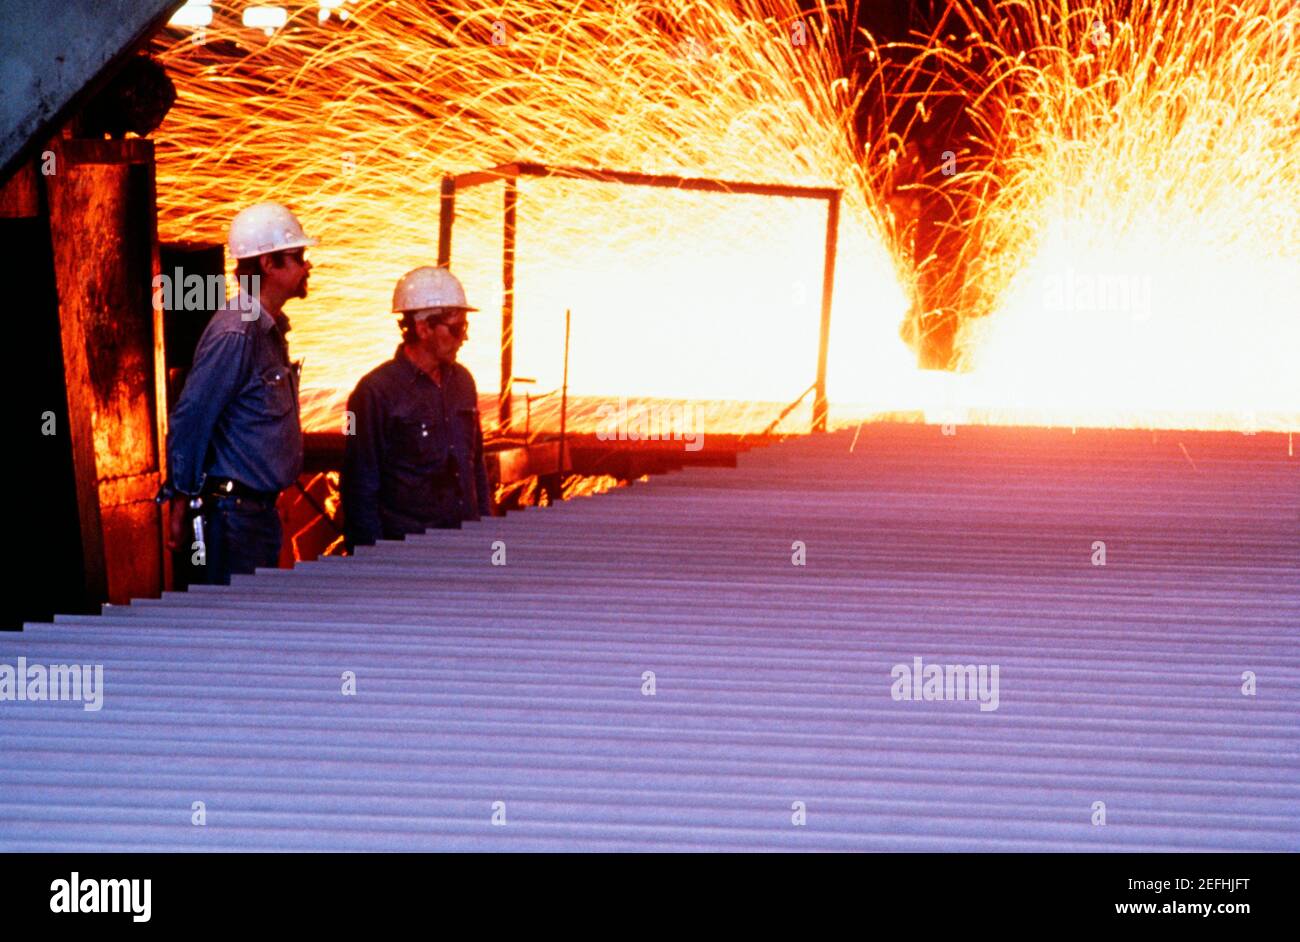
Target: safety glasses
(457, 329)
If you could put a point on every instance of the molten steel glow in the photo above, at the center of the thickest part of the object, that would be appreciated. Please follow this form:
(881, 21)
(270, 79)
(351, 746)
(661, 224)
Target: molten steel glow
(673, 294)
(1135, 240)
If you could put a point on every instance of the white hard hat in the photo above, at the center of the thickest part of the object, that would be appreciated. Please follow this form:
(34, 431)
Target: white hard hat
(263, 228)
(429, 287)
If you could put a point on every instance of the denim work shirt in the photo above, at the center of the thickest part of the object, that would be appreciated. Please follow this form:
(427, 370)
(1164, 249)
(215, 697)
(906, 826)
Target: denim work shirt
(237, 416)
(415, 461)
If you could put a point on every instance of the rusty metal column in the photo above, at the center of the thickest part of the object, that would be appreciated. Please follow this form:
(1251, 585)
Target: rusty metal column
(828, 287)
(446, 217)
(508, 304)
(118, 444)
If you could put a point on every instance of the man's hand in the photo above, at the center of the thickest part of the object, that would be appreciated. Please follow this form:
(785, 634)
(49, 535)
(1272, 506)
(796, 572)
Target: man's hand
(176, 511)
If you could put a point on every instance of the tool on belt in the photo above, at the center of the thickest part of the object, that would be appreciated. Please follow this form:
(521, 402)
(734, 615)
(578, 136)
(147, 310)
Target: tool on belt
(196, 504)
(223, 487)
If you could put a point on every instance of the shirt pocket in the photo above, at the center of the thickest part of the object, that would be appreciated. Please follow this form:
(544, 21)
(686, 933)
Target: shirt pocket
(417, 441)
(274, 391)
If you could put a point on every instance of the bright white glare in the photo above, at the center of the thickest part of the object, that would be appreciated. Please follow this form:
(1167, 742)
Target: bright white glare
(326, 6)
(195, 14)
(267, 19)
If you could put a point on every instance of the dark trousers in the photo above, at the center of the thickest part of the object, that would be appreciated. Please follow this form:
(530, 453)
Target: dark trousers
(240, 535)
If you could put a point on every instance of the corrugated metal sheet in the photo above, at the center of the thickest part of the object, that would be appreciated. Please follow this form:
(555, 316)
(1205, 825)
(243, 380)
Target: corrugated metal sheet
(523, 683)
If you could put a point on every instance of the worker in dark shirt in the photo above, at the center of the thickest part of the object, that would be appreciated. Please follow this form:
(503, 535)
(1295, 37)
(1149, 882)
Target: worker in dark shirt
(234, 441)
(414, 454)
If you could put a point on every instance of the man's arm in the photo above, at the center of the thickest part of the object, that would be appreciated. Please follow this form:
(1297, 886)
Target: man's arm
(359, 484)
(221, 365)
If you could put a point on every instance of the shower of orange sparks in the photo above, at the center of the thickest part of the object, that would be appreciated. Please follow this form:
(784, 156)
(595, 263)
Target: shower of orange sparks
(673, 294)
(1129, 203)
(1134, 226)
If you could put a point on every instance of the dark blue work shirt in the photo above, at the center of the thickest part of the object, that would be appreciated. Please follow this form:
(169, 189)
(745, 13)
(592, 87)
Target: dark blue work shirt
(414, 459)
(237, 416)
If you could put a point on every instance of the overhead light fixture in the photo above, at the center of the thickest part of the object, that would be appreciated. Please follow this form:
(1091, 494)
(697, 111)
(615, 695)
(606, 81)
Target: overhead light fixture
(195, 14)
(266, 18)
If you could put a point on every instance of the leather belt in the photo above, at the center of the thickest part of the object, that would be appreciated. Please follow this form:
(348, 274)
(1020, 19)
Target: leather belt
(229, 487)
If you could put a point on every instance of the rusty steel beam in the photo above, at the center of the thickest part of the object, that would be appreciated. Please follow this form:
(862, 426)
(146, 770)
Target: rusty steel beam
(824, 333)
(673, 181)
(497, 174)
(103, 228)
(507, 305)
(446, 219)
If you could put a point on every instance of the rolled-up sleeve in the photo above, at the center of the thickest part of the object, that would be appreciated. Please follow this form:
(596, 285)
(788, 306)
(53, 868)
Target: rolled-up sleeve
(360, 480)
(221, 365)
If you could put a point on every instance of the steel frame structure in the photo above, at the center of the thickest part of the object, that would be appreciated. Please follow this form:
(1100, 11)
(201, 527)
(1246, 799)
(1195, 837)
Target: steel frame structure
(510, 174)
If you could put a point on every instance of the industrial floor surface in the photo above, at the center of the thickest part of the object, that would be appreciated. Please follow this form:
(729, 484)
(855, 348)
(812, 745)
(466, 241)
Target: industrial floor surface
(650, 669)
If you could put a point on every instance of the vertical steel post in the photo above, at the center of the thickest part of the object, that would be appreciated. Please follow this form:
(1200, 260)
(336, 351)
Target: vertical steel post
(446, 216)
(564, 398)
(828, 287)
(508, 306)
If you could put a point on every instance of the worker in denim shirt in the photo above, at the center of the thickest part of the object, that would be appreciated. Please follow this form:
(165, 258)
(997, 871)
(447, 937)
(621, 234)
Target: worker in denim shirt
(414, 455)
(234, 440)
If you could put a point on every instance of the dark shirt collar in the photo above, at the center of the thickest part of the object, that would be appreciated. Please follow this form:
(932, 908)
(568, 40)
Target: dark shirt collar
(265, 319)
(413, 372)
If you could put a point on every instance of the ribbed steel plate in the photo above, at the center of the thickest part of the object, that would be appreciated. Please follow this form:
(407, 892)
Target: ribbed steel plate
(518, 691)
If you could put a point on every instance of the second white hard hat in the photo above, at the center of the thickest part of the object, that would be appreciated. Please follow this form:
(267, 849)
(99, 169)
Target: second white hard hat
(429, 287)
(263, 228)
